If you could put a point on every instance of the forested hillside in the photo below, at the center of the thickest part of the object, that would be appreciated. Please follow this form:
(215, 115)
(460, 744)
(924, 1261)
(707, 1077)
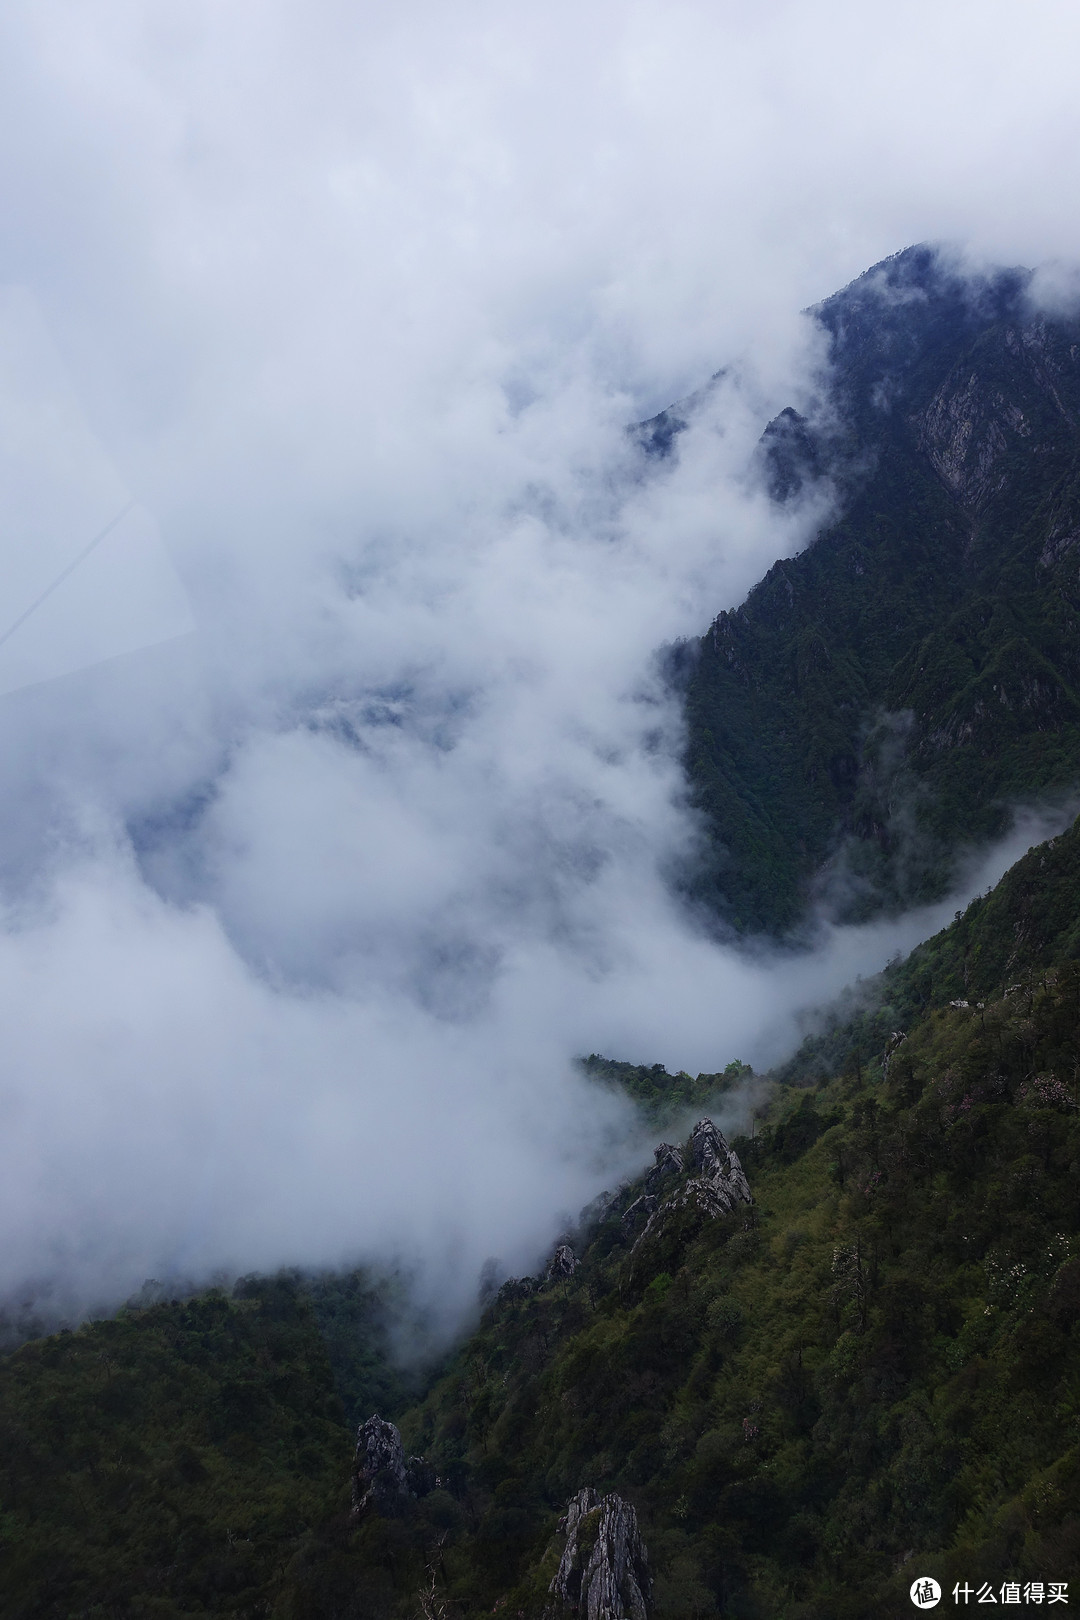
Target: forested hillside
(891, 693)
(871, 1371)
(872, 1366)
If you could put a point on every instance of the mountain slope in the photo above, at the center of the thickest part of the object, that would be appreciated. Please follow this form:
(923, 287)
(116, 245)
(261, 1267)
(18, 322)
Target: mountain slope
(871, 1372)
(888, 694)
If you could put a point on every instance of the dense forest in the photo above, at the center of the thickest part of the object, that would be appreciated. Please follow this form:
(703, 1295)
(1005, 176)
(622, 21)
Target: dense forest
(774, 1378)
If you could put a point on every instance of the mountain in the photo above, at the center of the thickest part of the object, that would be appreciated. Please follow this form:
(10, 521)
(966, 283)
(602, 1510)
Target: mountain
(776, 1378)
(868, 1373)
(886, 697)
(857, 1365)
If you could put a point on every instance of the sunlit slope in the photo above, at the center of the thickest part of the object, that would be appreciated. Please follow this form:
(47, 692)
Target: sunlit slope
(887, 695)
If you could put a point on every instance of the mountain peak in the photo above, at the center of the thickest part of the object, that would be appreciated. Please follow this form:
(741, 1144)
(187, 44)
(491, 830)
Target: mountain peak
(909, 317)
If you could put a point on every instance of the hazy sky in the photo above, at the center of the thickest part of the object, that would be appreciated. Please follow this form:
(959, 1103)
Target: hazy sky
(342, 826)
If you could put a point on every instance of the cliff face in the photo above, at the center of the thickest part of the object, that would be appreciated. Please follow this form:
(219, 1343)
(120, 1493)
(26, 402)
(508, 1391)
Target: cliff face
(1009, 401)
(881, 698)
(603, 1573)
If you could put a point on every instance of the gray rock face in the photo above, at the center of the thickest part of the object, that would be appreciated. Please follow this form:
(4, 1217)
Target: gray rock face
(604, 1570)
(638, 1213)
(669, 1162)
(380, 1479)
(895, 1041)
(697, 1194)
(993, 404)
(719, 1186)
(563, 1263)
(718, 1165)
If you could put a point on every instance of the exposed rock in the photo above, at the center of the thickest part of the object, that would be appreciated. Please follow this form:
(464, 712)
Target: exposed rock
(1063, 538)
(718, 1164)
(638, 1213)
(964, 435)
(604, 1570)
(790, 454)
(669, 1162)
(896, 1039)
(563, 1263)
(719, 1187)
(703, 1195)
(380, 1481)
(992, 404)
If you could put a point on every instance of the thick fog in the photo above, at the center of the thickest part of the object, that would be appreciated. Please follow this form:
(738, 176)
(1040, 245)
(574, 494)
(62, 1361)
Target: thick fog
(341, 786)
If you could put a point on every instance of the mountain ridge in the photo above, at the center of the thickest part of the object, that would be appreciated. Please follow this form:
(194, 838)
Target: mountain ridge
(893, 690)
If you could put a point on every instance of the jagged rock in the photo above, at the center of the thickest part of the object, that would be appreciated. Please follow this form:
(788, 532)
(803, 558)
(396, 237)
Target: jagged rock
(563, 1263)
(718, 1164)
(669, 1162)
(719, 1187)
(703, 1195)
(604, 1570)
(380, 1481)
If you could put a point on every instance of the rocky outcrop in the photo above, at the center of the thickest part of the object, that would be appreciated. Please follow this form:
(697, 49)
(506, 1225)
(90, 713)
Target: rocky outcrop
(383, 1480)
(895, 1041)
(669, 1162)
(597, 1209)
(562, 1264)
(697, 1194)
(1010, 395)
(718, 1165)
(635, 1217)
(719, 1186)
(380, 1482)
(604, 1570)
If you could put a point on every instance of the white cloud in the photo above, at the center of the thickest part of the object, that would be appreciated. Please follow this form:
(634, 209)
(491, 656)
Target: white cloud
(309, 913)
